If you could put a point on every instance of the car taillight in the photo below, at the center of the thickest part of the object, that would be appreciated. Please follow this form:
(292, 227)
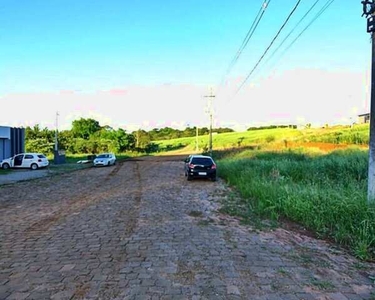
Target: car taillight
(191, 166)
(213, 166)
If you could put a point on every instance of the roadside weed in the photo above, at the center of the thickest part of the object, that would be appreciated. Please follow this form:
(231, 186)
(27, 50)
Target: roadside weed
(324, 193)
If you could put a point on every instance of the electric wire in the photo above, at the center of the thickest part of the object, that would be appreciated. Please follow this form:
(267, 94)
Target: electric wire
(291, 32)
(247, 38)
(321, 11)
(269, 46)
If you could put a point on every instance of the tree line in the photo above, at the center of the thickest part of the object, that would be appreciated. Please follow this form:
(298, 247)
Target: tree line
(272, 127)
(88, 136)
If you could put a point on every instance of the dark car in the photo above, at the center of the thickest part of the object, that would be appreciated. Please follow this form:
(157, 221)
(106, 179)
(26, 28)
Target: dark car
(200, 166)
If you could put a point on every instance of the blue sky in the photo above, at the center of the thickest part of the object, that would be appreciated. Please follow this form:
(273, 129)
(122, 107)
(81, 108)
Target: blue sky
(90, 46)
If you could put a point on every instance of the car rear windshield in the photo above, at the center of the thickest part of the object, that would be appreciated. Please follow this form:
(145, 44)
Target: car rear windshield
(41, 156)
(201, 161)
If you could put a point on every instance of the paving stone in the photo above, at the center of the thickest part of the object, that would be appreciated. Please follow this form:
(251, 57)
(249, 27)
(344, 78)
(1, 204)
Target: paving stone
(67, 268)
(63, 295)
(4, 294)
(18, 296)
(233, 290)
(134, 236)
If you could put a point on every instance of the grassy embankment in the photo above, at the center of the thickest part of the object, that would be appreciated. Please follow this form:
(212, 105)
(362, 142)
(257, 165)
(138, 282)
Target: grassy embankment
(302, 176)
(334, 137)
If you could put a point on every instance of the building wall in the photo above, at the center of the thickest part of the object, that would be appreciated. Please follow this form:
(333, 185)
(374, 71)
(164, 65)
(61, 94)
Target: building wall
(5, 148)
(12, 141)
(362, 119)
(4, 132)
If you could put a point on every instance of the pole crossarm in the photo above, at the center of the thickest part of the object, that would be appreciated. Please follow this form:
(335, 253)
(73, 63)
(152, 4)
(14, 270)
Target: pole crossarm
(368, 8)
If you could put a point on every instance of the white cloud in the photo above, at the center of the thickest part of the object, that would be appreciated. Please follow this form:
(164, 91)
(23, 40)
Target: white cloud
(311, 96)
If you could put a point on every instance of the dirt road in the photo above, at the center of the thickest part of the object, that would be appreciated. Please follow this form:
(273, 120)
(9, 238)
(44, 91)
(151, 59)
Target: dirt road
(139, 230)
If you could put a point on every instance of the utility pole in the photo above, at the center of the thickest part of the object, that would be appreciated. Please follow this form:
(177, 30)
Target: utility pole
(210, 111)
(369, 13)
(57, 128)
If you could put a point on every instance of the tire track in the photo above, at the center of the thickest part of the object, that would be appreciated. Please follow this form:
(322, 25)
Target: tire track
(111, 289)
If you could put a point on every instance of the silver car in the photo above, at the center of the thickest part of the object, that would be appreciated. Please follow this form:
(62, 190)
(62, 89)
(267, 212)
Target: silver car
(105, 159)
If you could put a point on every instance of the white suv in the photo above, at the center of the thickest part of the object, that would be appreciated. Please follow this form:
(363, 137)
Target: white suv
(26, 160)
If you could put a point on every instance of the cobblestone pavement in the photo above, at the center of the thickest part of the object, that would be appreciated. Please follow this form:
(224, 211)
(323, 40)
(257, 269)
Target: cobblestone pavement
(140, 230)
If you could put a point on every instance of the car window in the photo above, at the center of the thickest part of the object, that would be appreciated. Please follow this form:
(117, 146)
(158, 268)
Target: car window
(102, 156)
(201, 161)
(28, 156)
(41, 156)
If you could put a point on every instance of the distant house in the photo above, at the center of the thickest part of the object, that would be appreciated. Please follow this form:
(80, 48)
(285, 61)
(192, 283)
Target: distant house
(12, 141)
(364, 118)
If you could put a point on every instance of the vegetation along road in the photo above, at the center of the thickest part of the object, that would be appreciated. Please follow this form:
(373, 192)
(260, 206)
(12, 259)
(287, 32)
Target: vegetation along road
(140, 230)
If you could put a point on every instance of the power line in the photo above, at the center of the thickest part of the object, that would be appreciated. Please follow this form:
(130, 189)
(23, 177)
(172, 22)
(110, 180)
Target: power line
(318, 14)
(249, 33)
(247, 38)
(269, 46)
(290, 33)
(322, 10)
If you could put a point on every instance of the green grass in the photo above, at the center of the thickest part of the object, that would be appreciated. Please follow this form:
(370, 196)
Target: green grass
(4, 172)
(322, 284)
(358, 135)
(232, 139)
(324, 192)
(74, 158)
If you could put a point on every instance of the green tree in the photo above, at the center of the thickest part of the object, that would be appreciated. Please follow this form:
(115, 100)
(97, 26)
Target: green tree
(84, 128)
(142, 139)
(39, 145)
(66, 140)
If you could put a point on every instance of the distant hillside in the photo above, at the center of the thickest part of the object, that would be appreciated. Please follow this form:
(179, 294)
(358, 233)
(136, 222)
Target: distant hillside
(337, 135)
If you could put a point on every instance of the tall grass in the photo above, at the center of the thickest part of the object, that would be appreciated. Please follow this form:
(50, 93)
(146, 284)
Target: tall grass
(357, 135)
(325, 193)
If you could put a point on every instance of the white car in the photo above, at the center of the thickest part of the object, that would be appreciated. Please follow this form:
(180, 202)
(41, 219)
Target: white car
(105, 159)
(26, 160)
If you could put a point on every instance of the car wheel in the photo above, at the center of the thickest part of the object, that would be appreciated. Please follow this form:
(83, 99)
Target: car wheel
(34, 167)
(213, 178)
(5, 166)
(189, 177)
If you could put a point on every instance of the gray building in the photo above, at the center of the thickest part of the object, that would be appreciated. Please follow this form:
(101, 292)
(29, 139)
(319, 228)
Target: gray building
(12, 141)
(364, 118)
